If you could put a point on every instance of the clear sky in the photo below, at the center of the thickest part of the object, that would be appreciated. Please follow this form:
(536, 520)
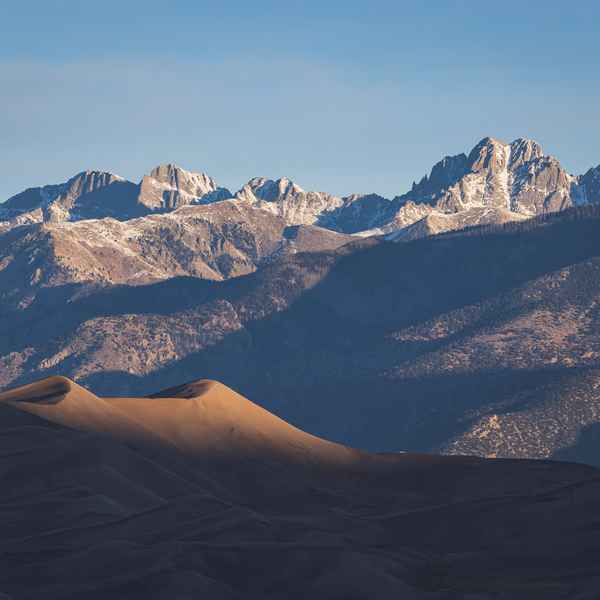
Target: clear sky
(341, 96)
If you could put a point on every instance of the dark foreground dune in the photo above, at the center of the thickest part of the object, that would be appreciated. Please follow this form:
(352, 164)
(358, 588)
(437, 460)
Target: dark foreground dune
(197, 492)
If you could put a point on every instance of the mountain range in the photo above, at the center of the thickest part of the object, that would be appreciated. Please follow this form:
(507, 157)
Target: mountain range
(495, 182)
(99, 228)
(480, 339)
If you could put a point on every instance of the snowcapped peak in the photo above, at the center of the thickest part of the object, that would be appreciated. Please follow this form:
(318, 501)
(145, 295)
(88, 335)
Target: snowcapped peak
(166, 168)
(488, 144)
(169, 169)
(186, 181)
(271, 190)
(175, 175)
(287, 186)
(288, 200)
(88, 181)
(169, 186)
(523, 150)
(257, 182)
(492, 153)
(517, 177)
(521, 141)
(489, 153)
(95, 173)
(85, 183)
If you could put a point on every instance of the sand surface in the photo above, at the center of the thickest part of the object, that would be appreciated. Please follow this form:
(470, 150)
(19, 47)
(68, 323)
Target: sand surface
(197, 492)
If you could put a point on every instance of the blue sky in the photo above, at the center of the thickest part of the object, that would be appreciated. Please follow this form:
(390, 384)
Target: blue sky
(340, 96)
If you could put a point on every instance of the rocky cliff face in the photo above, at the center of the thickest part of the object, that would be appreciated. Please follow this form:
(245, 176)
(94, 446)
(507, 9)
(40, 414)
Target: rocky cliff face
(591, 185)
(169, 187)
(358, 213)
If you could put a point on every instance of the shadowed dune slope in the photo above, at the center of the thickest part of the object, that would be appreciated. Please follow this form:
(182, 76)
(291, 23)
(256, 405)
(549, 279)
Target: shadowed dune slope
(198, 492)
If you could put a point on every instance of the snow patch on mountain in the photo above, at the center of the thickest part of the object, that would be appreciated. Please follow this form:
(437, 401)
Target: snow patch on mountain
(284, 198)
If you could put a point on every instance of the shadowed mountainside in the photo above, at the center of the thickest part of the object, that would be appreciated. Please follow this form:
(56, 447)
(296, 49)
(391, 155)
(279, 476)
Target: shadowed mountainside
(483, 341)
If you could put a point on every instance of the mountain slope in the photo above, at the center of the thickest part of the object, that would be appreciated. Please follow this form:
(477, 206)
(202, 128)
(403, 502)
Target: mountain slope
(441, 335)
(214, 241)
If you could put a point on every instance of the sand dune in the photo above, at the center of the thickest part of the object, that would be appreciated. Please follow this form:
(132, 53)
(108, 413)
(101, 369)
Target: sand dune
(208, 417)
(62, 401)
(198, 419)
(198, 492)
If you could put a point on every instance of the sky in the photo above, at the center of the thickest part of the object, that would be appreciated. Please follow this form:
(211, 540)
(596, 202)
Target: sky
(340, 96)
